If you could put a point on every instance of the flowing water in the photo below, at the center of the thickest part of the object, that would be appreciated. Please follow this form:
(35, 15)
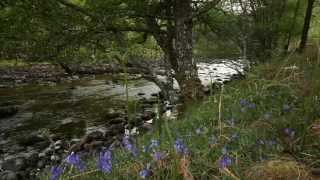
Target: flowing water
(71, 108)
(68, 108)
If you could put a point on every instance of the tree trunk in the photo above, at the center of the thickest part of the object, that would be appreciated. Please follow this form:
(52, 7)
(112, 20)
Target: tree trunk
(176, 43)
(186, 72)
(306, 26)
(293, 24)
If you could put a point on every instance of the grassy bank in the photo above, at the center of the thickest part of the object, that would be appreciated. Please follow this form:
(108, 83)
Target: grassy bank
(266, 126)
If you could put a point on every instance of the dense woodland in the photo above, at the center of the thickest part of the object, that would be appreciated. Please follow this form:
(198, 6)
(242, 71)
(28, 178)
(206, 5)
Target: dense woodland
(273, 102)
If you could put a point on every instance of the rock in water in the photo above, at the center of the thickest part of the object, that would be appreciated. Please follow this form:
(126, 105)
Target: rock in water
(68, 121)
(8, 111)
(14, 164)
(8, 175)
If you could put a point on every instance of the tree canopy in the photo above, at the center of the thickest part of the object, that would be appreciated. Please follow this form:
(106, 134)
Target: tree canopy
(72, 30)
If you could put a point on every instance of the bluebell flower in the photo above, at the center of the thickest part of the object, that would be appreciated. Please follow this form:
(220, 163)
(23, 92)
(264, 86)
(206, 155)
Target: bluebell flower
(243, 102)
(225, 162)
(271, 143)
(158, 156)
(105, 161)
(290, 132)
(154, 144)
(252, 105)
(74, 159)
(145, 173)
(129, 146)
(56, 172)
(180, 147)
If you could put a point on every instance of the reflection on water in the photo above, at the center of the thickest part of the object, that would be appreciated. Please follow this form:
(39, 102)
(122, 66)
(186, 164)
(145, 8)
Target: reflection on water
(71, 107)
(86, 101)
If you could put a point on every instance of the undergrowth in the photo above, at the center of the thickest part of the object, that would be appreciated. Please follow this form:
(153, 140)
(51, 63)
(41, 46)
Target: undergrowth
(263, 127)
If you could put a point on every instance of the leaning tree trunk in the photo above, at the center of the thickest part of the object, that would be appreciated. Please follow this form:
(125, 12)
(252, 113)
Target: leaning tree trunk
(186, 72)
(306, 26)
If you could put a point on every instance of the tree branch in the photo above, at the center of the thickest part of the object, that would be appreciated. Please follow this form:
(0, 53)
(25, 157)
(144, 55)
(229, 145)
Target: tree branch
(76, 8)
(205, 8)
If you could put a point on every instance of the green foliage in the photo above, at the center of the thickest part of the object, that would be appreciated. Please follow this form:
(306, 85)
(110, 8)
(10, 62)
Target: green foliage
(90, 31)
(210, 45)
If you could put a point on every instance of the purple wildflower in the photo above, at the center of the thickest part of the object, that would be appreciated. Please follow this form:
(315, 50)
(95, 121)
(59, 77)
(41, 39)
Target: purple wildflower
(158, 156)
(271, 143)
(154, 144)
(252, 105)
(180, 147)
(129, 146)
(56, 172)
(145, 173)
(290, 132)
(74, 159)
(105, 161)
(225, 162)
(243, 102)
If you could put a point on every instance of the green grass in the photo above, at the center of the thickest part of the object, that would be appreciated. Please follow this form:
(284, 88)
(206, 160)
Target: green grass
(11, 63)
(278, 97)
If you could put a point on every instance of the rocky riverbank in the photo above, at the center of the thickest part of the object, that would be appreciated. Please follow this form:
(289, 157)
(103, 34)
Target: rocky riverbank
(42, 120)
(25, 157)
